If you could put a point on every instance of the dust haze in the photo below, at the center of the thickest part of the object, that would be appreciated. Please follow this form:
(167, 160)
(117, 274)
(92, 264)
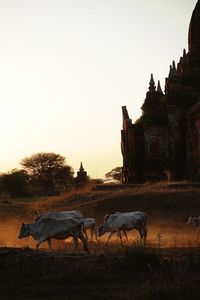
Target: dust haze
(161, 233)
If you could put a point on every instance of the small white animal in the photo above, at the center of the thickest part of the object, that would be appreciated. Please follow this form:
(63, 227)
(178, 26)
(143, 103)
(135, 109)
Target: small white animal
(124, 222)
(195, 221)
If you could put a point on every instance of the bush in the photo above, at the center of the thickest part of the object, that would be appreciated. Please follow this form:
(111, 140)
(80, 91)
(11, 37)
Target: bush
(139, 257)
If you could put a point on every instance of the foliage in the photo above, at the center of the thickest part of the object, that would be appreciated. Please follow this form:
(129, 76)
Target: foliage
(97, 181)
(114, 174)
(15, 183)
(139, 257)
(48, 171)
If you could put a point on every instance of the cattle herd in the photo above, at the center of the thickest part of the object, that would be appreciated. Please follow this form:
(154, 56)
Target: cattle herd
(62, 224)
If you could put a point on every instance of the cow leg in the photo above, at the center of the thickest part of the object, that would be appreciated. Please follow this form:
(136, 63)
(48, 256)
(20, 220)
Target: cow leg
(125, 234)
(49, 244)
(141, 235)
(85, 242)
(109, 238)
(85, 232)
(40, 241)
(91, 233)
(145, 235)
(96, 235)
(75, 244)
(120, 236)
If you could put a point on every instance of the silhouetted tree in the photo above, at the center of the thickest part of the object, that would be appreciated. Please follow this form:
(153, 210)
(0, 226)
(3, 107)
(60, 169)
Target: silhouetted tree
(15, 183)
(97, 181)
(114, 174)
(48, 170)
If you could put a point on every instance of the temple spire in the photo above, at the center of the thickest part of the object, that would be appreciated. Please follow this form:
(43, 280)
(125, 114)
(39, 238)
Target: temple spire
(159, 90)
(173, 70)
(174, 65)
(170, 70)
(152, 87)
(81, 169)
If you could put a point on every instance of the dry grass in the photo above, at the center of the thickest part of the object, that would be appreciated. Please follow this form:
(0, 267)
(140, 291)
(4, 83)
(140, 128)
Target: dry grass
(167, 210)
(130, 272)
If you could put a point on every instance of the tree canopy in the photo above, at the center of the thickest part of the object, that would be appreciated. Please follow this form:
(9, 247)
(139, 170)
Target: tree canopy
(48, 170)
(15, 183)
(114, 174)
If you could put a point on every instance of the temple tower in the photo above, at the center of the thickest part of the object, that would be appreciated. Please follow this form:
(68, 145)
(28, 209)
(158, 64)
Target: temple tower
(167, 135)
(81, 177)
(194, 31)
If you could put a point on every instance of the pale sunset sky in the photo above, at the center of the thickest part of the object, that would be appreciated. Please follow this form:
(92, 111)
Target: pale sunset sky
(67, 67)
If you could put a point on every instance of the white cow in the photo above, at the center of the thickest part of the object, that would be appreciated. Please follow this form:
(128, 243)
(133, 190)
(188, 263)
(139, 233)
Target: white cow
(195, 222)
(47, 228)
(124, 221)
(106, 217)
(90, 223)
(60, 214)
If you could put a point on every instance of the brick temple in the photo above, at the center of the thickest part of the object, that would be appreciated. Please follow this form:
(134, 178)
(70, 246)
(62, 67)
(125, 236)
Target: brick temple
(165, 140)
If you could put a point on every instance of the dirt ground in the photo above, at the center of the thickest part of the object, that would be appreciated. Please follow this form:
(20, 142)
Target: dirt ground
(168, 268)
(104, 275)
(163, 233)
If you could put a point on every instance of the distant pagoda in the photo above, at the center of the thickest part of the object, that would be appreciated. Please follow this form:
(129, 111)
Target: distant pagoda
(81, 177)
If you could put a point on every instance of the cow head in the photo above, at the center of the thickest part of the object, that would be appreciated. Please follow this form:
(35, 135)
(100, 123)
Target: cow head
(24, 231)
(101, 229)
(193, 221)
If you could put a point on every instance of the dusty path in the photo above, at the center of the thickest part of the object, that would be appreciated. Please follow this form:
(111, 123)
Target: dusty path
(165, 233)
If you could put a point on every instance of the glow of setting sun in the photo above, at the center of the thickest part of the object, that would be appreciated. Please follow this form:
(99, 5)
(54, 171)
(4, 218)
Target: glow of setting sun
(67, 67)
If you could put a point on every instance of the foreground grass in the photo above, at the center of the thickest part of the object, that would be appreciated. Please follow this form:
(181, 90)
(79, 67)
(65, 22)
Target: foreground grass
(132, 272)
(170, 273)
